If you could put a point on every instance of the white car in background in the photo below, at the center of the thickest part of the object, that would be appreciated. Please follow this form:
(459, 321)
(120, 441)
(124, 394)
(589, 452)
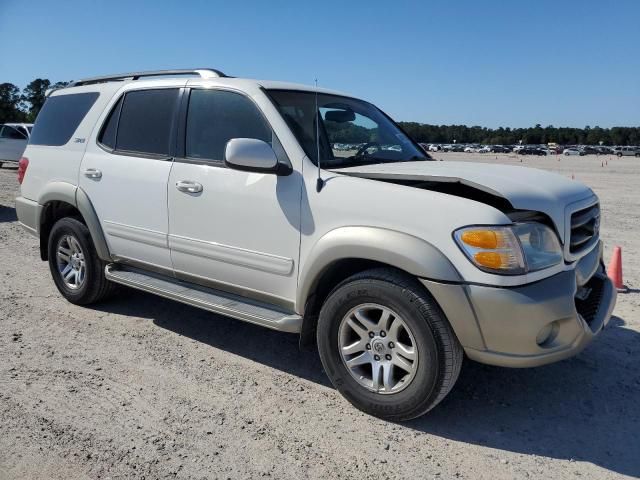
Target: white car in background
(484, 149)
(13, 140)
(571, 151)
(626, 151)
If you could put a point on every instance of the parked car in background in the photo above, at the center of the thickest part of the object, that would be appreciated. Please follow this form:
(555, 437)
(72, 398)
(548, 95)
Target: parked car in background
(485, 149)
(626, 151)
(571, 151)
(531, 151)
(434, 148)
(500, 149)
(13, 140)
(589, 150)
(604, 150)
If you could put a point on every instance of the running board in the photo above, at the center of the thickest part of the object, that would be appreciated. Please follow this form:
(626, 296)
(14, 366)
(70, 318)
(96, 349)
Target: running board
(215, 301)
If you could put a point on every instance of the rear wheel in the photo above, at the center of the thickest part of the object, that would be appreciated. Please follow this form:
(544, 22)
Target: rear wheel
(75, 266)
(386, 345)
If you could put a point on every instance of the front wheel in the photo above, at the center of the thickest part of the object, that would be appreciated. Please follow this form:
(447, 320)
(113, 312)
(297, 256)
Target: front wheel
(75, 266)
(386, 345)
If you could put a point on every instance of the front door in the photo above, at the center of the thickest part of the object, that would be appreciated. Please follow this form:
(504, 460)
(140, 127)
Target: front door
(125, 175)
(237, 231)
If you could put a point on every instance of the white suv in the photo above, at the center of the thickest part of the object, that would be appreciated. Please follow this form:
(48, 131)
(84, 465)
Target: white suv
(229, 194)
(626, 151)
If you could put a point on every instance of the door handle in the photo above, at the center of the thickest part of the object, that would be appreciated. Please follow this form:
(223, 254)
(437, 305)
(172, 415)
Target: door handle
(93, 173)
(188, 186)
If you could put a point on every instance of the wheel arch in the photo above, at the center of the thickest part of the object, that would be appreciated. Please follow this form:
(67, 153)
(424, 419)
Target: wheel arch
(62, 199)
(346, 251)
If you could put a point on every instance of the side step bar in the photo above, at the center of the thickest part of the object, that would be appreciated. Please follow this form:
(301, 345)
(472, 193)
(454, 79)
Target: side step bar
(215, 301)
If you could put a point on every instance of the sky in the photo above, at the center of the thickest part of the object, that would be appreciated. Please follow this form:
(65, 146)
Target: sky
(491, 63)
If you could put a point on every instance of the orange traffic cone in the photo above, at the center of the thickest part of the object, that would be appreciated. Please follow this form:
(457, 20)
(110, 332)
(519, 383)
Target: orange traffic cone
(614, 272)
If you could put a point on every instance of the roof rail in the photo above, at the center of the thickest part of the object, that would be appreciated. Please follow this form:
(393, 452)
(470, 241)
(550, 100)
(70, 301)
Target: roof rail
(203, 72)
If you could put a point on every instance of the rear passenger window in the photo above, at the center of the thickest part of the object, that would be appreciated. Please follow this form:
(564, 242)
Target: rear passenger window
(60, 117)
(216, 116)
(145, 123)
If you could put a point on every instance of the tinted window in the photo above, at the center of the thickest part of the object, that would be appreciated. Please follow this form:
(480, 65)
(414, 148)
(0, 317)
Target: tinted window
(108, 135)
(215, 117)
(12, 133)
(145, 121)
(60, 117)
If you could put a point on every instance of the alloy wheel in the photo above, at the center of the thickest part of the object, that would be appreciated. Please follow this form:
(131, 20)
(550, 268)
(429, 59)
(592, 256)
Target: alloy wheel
(378, 348)
(71, 262)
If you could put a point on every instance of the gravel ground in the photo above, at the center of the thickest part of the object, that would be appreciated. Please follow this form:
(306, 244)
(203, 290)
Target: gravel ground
(141, 387)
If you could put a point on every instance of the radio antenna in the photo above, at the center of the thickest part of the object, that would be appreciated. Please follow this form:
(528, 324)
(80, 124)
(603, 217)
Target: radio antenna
(319, 181)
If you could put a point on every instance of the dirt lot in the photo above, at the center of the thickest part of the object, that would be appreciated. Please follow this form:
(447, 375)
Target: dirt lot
(141, 387)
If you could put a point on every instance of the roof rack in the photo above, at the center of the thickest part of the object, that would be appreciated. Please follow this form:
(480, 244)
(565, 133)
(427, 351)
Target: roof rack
(203, 72)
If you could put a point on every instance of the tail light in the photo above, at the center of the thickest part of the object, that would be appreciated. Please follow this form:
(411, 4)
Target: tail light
(22, 168)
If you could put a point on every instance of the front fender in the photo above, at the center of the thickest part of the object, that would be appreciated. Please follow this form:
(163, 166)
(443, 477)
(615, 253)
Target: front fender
(403, 251)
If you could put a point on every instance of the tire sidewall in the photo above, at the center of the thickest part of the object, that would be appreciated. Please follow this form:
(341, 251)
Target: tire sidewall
(71, 226)
(403, 302)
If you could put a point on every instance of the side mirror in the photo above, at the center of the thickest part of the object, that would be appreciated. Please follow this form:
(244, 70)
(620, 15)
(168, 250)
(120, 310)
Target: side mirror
(250, 155)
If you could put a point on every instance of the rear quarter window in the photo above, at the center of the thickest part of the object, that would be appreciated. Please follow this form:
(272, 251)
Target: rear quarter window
(60, 117)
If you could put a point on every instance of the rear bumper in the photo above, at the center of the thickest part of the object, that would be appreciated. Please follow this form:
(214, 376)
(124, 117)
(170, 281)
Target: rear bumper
(532, 325)
(28, 213)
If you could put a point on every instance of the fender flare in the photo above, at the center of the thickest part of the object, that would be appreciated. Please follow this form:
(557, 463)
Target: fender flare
(73, 195)
(406, 252)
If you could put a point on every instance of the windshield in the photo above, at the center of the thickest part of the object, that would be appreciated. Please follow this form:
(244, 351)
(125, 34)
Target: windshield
(352, 132)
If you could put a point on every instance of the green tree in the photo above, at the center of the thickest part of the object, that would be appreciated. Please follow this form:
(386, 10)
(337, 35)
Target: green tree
(10, 103)
(34, 96)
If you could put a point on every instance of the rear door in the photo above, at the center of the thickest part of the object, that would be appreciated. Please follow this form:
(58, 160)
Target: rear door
(125, 175)
(12, 143)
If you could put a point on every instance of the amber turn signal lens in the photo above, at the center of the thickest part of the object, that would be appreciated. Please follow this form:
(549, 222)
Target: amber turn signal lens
(493, 260)
(487, 239)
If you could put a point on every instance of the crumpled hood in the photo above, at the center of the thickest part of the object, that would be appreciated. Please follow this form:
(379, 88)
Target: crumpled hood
(524, 188)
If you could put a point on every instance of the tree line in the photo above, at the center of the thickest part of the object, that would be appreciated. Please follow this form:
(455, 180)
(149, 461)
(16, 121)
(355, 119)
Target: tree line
(23, 106)
(531, 135)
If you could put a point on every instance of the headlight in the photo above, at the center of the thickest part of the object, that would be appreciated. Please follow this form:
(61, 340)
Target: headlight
(510, 250)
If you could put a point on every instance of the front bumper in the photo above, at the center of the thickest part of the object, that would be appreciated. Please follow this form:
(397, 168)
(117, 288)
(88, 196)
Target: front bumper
(535, 324)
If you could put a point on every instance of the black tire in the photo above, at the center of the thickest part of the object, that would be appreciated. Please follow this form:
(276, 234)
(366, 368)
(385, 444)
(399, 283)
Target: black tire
(440, 353)
(95, 286)
(619, 155)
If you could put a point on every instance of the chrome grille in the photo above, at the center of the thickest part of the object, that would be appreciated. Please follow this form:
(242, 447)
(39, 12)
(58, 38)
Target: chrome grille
(585, 225)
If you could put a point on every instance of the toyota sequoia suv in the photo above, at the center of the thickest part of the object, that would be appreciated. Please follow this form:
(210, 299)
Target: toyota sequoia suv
(231, 195)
